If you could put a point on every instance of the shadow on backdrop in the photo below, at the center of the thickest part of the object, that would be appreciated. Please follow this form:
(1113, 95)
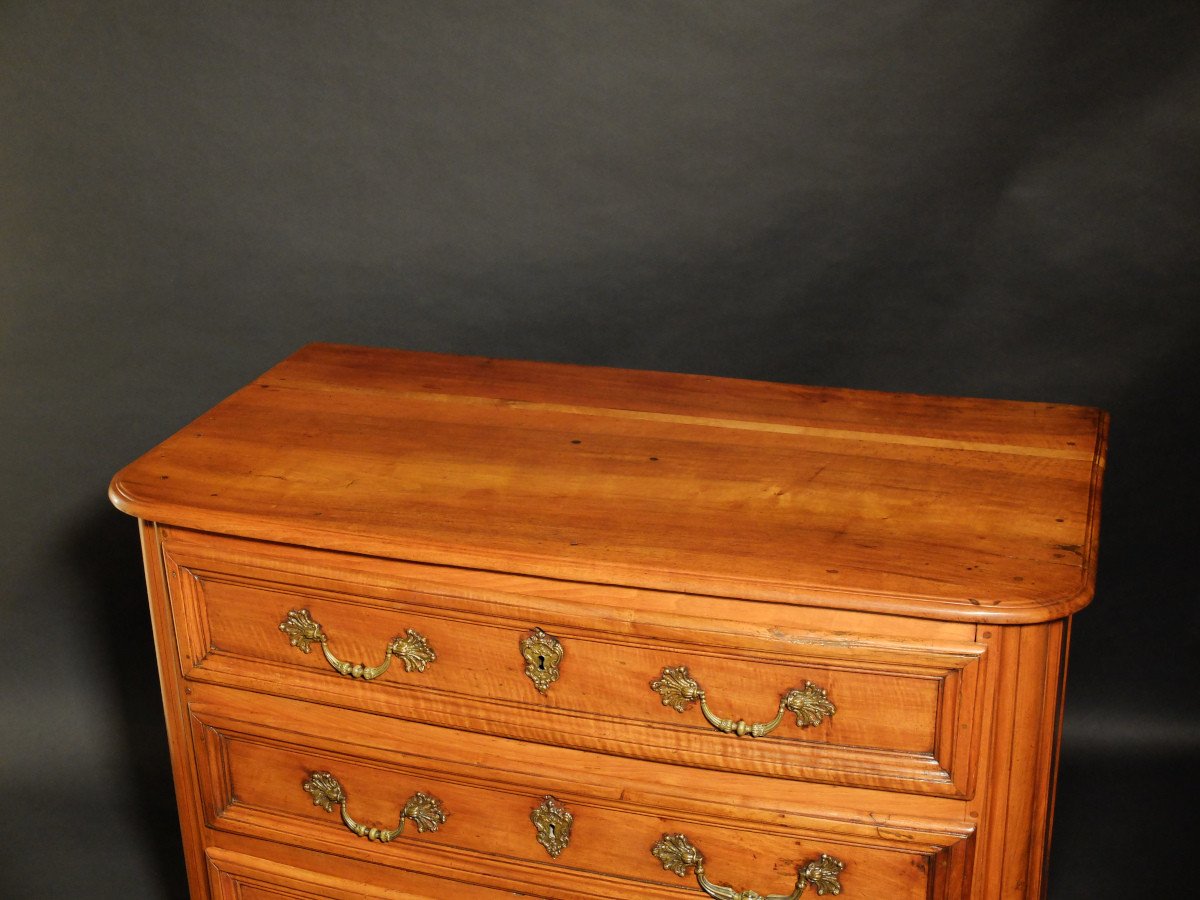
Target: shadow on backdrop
(103, 549)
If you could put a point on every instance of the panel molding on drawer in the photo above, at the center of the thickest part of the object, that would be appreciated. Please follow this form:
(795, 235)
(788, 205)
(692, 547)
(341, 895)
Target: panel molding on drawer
(909, 715)
(261, 875)
(252, 772)
(234, 876)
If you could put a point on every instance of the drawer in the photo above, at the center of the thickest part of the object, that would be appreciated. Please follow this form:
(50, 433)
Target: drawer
(268, 767)
(264, 871)
(603, 669)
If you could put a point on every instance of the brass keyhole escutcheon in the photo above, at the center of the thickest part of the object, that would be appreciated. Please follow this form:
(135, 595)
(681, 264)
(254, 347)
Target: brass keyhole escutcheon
(542, 654)
(553, 823)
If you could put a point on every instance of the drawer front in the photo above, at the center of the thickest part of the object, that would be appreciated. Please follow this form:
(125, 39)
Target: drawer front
(466, 806)
(262, 871)
(872, 711)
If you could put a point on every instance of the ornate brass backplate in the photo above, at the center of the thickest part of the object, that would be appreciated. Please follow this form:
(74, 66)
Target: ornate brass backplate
(542, 654)
(553, 823)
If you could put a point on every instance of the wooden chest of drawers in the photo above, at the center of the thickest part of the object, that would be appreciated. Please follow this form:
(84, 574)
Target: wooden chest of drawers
(431, 626)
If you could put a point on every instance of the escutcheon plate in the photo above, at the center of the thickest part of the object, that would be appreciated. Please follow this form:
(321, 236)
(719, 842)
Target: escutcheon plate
(553, 823)
(543, 654)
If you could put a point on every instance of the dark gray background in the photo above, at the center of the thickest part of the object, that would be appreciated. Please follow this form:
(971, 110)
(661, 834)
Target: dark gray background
(990, 199)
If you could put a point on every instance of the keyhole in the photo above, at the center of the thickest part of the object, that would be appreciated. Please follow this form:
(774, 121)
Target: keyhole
(541, 663)
(551, 829)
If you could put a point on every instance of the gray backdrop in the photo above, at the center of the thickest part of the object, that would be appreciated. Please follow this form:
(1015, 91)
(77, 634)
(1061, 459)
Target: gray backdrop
(990, 199)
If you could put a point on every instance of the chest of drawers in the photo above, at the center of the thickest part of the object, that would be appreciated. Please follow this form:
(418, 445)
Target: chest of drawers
(433, 626)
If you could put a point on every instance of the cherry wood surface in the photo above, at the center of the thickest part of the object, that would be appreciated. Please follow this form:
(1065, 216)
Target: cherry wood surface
(969, 509)
(229, 632)
(920, 558)
(251, 771)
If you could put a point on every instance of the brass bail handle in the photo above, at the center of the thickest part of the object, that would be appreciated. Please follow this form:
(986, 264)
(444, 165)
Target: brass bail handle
(425, 810)
(678, 689)
(411, 647)
(677, 854)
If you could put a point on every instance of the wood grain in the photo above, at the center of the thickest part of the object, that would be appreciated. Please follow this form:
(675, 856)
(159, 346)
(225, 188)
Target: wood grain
(920, 558)
(253, 771)
(905, 716)
(976, 510)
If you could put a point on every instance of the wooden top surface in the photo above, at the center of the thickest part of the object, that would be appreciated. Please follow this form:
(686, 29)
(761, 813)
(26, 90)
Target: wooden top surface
(935, 507)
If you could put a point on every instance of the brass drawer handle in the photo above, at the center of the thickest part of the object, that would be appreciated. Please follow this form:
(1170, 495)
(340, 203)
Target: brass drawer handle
(412, 648)
(425, 810)
(678, 690)
(677, 854)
